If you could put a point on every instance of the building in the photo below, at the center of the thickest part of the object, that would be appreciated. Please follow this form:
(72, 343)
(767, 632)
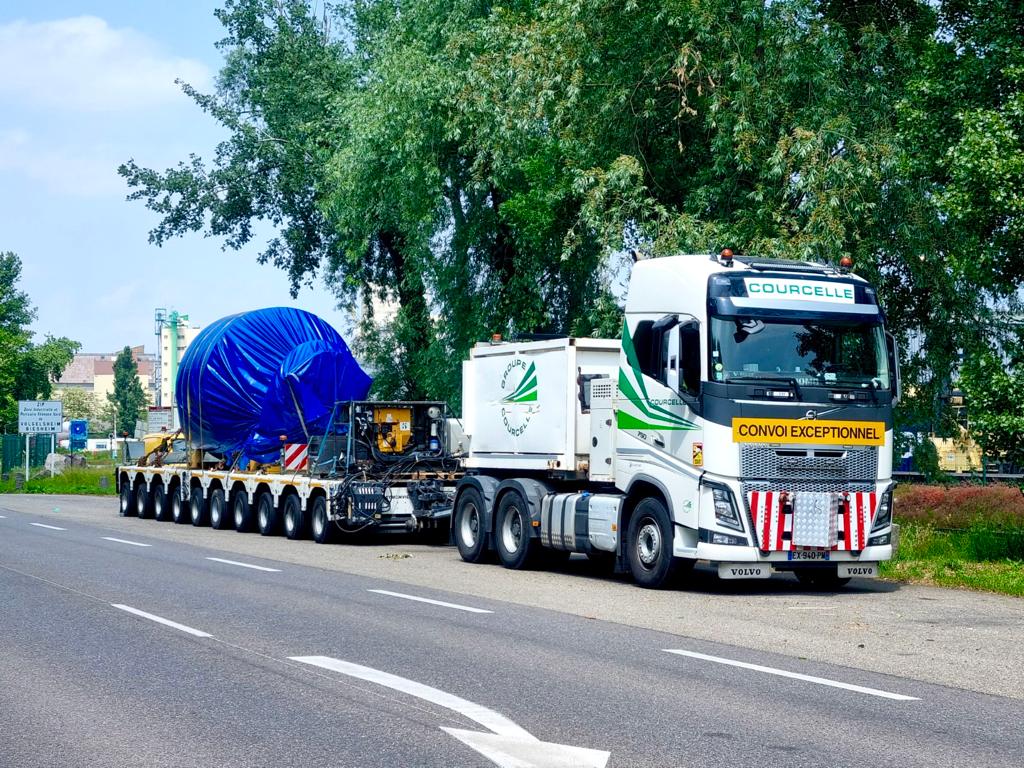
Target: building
(93, 372)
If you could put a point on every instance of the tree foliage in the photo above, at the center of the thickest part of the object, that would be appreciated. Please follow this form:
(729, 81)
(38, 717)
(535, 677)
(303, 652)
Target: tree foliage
(472, 167)
(27, 370)
(128, 398)
(78, 404)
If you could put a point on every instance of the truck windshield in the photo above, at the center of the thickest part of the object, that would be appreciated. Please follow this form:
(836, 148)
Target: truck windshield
(818, 353)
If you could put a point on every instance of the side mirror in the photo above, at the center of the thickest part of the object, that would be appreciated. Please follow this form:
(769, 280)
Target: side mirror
(894, 365)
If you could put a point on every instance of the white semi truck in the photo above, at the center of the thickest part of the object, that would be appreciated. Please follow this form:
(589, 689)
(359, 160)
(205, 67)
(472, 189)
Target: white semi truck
(744, 419)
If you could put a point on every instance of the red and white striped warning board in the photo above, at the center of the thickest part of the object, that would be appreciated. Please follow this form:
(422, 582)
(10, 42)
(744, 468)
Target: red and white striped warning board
(774, 523)
(296, 457)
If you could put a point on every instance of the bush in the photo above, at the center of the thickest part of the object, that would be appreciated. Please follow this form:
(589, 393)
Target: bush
(996, 507)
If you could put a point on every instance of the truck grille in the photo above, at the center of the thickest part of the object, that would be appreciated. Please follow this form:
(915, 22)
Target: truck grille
(784, 465)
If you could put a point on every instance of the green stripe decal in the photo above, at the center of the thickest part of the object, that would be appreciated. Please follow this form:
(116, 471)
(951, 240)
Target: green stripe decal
(627, 421)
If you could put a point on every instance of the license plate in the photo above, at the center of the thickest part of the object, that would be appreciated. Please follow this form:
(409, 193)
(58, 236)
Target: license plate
(858, 570)
(808, 554)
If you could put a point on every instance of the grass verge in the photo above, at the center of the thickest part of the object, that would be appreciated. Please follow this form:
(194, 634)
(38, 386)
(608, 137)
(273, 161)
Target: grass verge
(979, 557)
(80, 480)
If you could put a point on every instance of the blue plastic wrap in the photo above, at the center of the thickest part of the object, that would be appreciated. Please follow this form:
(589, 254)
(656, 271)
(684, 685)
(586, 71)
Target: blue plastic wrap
(249, 378)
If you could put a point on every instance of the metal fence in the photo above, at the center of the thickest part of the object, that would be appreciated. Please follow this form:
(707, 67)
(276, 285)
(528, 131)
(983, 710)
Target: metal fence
(12, 452)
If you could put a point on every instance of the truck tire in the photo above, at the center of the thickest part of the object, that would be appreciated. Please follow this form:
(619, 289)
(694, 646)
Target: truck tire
(220, 519)
(200, 506)
(267, 516)
(127, 508)
(516, 549)
(323, 529)
(649, 545)
(468, 526)
(180, 514)
(293, 517)
(160, 510)
(242, 513)
(143, 501)
(821, 579)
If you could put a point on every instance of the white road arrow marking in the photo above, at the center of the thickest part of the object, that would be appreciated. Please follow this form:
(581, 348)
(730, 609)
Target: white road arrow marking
(507, 745)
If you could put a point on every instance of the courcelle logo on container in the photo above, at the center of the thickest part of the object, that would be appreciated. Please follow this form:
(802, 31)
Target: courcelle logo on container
(801, 290)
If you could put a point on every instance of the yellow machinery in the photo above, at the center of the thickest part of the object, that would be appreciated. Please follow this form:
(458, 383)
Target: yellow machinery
(394, 429)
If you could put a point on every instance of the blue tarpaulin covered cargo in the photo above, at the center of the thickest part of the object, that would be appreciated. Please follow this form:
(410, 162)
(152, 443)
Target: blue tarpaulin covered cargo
(249, 378)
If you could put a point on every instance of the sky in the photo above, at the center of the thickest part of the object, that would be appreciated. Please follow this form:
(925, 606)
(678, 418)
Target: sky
(85, 86)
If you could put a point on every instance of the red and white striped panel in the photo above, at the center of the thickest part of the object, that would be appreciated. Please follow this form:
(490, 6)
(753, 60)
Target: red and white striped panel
(771, 523)
(296, 457)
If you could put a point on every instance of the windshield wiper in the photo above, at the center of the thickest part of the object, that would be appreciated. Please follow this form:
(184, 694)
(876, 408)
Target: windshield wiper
(790, 380)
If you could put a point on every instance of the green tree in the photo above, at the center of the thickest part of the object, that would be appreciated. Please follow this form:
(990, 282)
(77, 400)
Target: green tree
(992, 384)
(27, 370)
(78, 404)
(128, 397)
(483, 167)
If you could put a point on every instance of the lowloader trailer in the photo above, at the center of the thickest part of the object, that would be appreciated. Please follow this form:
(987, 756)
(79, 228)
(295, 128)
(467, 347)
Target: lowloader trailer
(380, 466)
(744, 419)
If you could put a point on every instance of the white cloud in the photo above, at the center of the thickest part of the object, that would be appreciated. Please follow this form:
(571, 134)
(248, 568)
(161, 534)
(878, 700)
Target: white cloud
(91, 172)
(83, 63)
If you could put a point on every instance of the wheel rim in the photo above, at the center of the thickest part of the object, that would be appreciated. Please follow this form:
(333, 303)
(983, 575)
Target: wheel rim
(648, 543)
(196, 502)
(469, 528)
(512, 530)
(318, 523)
(176, 509)
(289, 520)
(158, 505)
(125, 493)
(215, 511)
(238, 513)
(264, 517)
(140, 501)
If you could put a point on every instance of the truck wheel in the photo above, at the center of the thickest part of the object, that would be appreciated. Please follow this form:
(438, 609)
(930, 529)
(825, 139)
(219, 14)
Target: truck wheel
(323, 529)
(200, 508)
(649, 545)
(159, 500)
(468, 522)
(823, 579)
(267, 515)
(516, 549)
(219, 517)
(179, 513)
(127, 508)
(143, 503)
(294, 519)
(242, 512)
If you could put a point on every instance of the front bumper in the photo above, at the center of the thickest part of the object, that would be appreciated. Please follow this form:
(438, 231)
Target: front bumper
(720, 553)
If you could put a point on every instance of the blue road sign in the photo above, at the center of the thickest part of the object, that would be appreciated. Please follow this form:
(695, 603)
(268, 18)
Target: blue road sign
(79, 434)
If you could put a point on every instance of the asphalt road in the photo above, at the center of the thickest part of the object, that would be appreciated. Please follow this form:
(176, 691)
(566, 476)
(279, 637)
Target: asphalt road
(178, 654)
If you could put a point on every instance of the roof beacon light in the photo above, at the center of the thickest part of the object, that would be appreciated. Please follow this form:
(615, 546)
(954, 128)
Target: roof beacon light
(726, 257)
(845, 264)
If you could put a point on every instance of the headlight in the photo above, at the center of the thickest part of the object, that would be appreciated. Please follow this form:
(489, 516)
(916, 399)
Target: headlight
(883, 517)
(725, 507)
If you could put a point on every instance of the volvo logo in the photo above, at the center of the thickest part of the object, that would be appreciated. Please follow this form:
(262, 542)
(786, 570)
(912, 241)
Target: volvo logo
(812, 415)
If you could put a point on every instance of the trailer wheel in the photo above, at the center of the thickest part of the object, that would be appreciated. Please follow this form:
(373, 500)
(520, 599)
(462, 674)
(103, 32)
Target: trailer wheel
(143, 502)
(200, 507)
(242, 512)
(822, 579)
(178, 513)
(323, 529)
(294, 519)
(468, 522)
(159, 500)
(516, 549)
(267, 517)
(219, 517)
(127, 508)
(649, 545)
